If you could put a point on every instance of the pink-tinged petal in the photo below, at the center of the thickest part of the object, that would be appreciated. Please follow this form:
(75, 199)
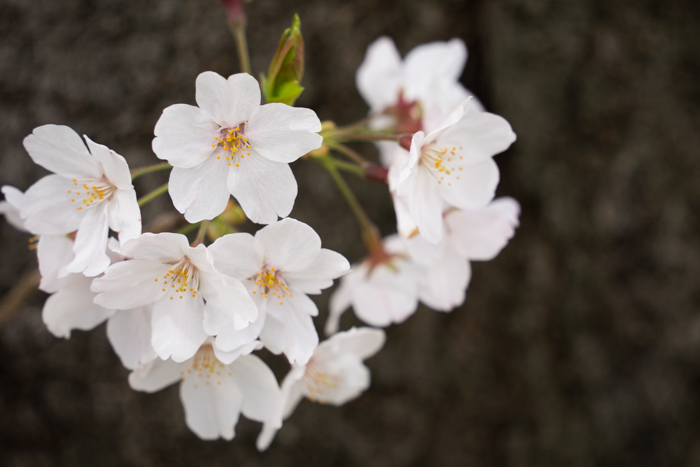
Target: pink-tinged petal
(130, 284)
(235, 255)
(349, 376)
(480, 234)
(55, 253)
(360, 343)
(481, 135)
(200, 192)
(475, 188)
(90, 246)
(163, 247)
(264, 189)
(289, 245)
(379, 76)
(245, 349)
(60, 150)
(155, 375)
(282, 133)
(129, 332)
(177, 327)
(388, 296)
(229, 296)
(184, 136)
(425, 205)
(404, 224)
(48, 209)
(14, 199)
(386, 149)
(422, 251)
(291, 396)
(319, 275)
(448, 123)
(113, 166)
(405, 163)
(341, 298)
(228, 102)
(262, 398)
(124, 215)
(443, 286)
(445, 96)
(211, 410)
(72, 308)
(298, 335)
(435, 60)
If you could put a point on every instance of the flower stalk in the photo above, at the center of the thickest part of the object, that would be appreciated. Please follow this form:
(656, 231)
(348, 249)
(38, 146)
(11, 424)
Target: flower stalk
(148, 169)
(153, 195)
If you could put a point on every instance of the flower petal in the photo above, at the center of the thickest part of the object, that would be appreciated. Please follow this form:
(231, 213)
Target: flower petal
(129, 284)
(318, 275)
(388, 296)
(112, 165)
(166, 247)
(55, 253)
(475, 188)
(281, 133)
(229, 296)
(425, 205)
(124, 215)
(59, 149)
(90, 246)
(235, 255)
(360, 343)
(184, 136)
(481, 134)
(155, 375)
(177, 327)
(200, 192)
(129, 332)
(228, 102)
(14, 199)
(379, 76)
(262, 398)
(289, 327)
(443, 286)
(434, 60)
(48, 209)
(289, 245)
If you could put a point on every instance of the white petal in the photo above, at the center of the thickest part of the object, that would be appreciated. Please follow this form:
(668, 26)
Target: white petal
(289, 245)
(47, 207)
(55, 252)
(200, 192)
(184, 136)
(90, 246)
(72, 307)
(388, 296)
(341, 298)
(177, 327)
(166, 247)
(14, 199)
(425, 205)
(124, 215)
(228, 338)
(475, 188)
(339, 382)
(282, 133)
(155, 375)
(228, 357)
(262, 398)
(235, 255)
(59, 149)
(264, 189)
(211, 410)
(289, 327)
(319, 275)
(229, 102)
(229, 296)
(444, 284)
(442, 60)
(360, 343)
(130, 284)
(112, 165)
(379, 75)
(129, 332)
(481, 134)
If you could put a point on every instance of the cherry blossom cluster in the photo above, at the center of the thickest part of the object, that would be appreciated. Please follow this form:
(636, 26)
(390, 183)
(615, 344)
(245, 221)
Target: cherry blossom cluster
(194, 310)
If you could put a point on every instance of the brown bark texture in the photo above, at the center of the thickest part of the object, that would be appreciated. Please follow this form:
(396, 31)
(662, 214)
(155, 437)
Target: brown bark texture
(579, 345)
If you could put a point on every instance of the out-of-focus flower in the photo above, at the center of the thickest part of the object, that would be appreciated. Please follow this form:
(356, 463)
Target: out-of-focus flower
(279, 266)
(91, 192)
(334, 375)
(181, 283)
(231, 144)
(215, 390)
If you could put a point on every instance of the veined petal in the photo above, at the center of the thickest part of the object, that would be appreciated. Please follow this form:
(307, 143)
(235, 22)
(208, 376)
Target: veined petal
(163, 247)
(184, 136)
(442, 60)
(379, 76)
(124, 215)
(291, 320)
(319, 275)
(340, 381)
(235, 255)
(281, 133)
(200, 192)
(388, 296)
(229, 296)
(48, 209)
(72, 307)
(481, 134)
(177, 327)
(90, 246)
(129, 332)
(155, 375)
(130, 284)
(245, 349)
(55, 253)
(289, 245)
(359, 343)
(425, 205)
(112, 165)
(228, 102)
(475, 187)
(262, 398)
(264, 189)
(60, 150)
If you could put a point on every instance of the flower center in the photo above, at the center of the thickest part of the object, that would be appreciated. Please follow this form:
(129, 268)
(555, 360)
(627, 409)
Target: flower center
(236, 146)
(270, 283)
(319, 381)
(91, 193)
(205, 369)
(442, 161)
(180, 280)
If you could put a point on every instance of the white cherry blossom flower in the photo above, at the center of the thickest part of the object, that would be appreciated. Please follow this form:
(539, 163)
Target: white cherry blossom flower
(279, 266)
(334, 375)
(231, 145)
(451, 166)
(10, 207)
(215, 390)
(90, 192)
(181, 283)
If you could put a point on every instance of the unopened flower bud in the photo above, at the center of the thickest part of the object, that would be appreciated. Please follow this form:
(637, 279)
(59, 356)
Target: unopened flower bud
(287, 67)
(405, 142)
(376, 173)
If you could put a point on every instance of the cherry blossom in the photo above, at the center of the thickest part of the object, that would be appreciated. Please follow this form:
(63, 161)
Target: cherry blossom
(334, 375)
(215, 389)
(231, 145)
(181, 283)
(90, 192)
(279, 266)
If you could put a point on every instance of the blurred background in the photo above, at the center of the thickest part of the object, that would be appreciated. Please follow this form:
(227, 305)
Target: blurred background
(578, 346)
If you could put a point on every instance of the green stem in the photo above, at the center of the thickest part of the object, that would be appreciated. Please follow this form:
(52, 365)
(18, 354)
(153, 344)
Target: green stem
(348, 167)
(188, 228)
(201, 233)
(348, 152)
(151, 168)
(153, 195)
(238, 30)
